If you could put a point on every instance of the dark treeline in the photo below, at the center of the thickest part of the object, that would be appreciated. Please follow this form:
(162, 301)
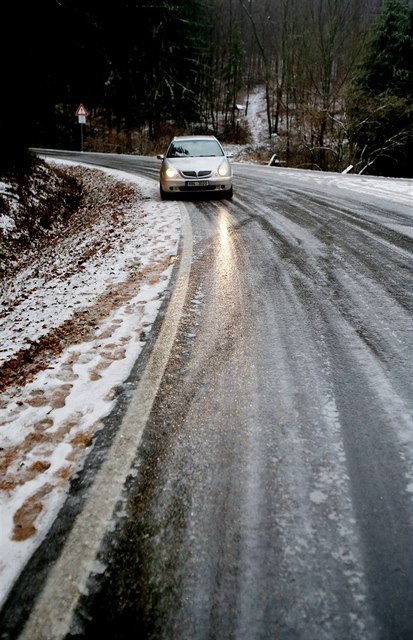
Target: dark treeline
(337, 76)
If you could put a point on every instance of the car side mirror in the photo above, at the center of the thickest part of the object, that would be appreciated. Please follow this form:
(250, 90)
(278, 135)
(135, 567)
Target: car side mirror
(160, 156)
(230, 154)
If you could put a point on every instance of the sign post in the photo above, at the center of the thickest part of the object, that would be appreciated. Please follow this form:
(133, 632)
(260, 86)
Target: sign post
(81, 113)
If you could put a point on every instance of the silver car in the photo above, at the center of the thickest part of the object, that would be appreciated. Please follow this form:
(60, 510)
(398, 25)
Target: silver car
(195, 164)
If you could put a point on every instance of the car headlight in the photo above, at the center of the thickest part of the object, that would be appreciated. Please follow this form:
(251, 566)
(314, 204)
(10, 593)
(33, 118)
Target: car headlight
(223, 169)
(170, 172)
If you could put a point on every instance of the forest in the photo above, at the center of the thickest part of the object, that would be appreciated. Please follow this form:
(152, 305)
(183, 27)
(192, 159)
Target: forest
(337, 77)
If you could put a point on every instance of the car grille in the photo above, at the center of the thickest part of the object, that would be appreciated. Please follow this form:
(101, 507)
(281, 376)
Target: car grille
(196, 174)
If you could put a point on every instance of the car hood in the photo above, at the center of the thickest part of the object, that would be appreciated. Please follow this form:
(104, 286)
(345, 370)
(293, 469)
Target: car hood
(195, 164)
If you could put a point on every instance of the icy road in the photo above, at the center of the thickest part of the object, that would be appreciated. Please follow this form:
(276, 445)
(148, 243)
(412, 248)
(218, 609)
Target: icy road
(272, 489)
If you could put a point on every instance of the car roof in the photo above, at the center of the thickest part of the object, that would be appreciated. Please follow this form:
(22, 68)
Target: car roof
(194, 137)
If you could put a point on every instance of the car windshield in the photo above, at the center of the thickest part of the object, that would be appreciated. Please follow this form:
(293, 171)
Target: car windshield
(194, 149)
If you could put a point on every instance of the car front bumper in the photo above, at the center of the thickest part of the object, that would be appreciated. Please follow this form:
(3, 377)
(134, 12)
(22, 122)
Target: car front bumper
(181, 185)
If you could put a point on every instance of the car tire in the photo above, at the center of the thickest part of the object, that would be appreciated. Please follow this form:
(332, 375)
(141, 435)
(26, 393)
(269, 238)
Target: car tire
(164, 194)
(228, 194)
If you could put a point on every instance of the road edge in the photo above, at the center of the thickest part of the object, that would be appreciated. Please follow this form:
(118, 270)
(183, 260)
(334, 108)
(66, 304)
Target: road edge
(51, 616)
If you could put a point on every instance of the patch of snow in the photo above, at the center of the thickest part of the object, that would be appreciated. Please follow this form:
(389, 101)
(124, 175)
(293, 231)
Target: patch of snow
(48, 424)
(6, 223)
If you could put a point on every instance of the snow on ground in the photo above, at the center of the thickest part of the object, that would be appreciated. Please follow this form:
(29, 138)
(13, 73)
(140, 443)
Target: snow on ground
(256, 116)
(48, 423)
(395, 189)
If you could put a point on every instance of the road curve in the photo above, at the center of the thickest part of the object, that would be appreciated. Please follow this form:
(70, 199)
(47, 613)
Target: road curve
(272, 493)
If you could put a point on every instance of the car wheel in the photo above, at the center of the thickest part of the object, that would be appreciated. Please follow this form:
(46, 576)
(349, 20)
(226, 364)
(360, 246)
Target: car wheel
(164, 194)
(228, 194)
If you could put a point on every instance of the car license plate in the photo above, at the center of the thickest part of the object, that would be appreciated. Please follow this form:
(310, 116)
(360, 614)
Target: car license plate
(196, 183)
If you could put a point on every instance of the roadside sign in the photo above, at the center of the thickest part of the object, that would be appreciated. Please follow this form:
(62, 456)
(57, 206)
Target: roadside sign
(82, 111)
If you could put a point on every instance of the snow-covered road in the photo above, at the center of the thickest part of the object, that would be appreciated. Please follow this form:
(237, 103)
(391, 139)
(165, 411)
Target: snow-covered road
(274, 483)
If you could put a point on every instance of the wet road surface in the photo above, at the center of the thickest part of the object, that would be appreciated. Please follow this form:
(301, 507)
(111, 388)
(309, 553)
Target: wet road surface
(272, 490)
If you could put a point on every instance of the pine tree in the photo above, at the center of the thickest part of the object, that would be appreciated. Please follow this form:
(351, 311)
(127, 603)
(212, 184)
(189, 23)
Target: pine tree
(380, 105)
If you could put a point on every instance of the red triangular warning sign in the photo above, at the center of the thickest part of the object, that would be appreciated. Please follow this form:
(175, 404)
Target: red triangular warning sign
(82, 111)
